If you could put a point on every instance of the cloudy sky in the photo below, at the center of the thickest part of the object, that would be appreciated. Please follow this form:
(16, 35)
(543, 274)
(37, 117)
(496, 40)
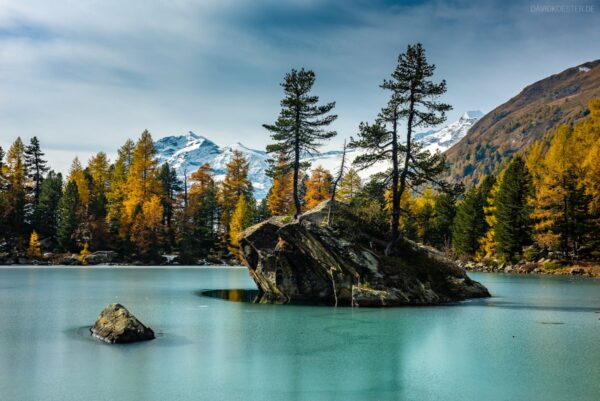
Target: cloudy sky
(86, 75)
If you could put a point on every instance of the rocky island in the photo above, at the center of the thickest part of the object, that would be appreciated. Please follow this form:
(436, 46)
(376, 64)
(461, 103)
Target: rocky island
(308, 261)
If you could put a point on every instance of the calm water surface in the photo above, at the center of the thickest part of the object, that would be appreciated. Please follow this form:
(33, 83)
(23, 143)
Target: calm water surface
(538, 338)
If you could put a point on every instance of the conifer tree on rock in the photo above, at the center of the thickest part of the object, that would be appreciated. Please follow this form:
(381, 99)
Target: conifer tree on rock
(300, 127)
(414, 98)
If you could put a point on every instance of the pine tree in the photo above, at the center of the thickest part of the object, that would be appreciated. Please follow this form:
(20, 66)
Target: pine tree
(318, 187)
(300, 126)
(445, 211)
(198, 219)
(470, 224)
(36, 166)
(262, 211)
(68, 217)
(513, 226)
(205, 220)
(34, 251)
(1, 162)
(349, 186)
(171, 185)
(45, 215)
(99, 171)
(414, 98)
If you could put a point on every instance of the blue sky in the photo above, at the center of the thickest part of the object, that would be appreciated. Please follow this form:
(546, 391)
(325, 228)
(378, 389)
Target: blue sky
(86, 75)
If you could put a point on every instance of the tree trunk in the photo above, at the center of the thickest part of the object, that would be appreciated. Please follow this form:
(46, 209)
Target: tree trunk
(395, 195)
(335, 184)
(297, 205)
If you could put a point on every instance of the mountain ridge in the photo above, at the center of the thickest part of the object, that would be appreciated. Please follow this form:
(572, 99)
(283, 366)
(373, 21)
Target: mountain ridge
(186, 153)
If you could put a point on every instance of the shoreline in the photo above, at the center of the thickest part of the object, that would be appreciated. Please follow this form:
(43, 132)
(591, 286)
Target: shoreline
(116, 266)
(549, 268)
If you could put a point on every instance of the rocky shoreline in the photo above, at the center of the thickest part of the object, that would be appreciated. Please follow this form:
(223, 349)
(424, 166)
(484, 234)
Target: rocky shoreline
(104, 258)
(540, 267)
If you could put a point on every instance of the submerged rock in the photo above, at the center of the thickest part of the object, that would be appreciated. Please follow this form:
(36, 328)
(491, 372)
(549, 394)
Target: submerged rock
(309, 262)
(116, 325)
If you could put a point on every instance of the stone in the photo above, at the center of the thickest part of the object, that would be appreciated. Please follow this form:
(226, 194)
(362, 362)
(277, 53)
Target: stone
(306, 261)
(577, 271)
(101, 258)
(69, 260)
(116, 325)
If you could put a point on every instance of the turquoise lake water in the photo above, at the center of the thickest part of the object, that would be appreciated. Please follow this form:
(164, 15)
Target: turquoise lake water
(538, 338)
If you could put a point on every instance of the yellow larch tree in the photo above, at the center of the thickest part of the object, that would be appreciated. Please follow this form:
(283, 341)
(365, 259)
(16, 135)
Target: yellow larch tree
(116, 194)
(201, 180)
(318, 187)
(142, 179)
(280, 199)
(77, 175)
(147, 231)
(240, 220)
(34, 251)
(235, 184)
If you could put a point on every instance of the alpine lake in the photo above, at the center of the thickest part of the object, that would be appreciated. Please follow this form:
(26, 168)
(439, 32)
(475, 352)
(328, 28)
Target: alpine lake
(537, 338)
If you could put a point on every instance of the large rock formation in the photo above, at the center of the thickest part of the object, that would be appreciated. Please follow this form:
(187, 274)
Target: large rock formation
(309, 262)
(116, 325)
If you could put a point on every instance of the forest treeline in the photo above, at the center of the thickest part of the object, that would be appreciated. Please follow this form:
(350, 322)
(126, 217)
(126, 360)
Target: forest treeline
(544, 203)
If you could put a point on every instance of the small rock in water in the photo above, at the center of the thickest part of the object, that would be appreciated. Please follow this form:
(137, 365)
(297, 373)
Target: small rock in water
(116, 325)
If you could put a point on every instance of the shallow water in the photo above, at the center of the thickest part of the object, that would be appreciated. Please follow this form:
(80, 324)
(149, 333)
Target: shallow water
(538, 338)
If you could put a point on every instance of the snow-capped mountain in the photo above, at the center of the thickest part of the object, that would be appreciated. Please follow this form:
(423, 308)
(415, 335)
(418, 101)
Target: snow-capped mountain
(443, 139)
(186, 153)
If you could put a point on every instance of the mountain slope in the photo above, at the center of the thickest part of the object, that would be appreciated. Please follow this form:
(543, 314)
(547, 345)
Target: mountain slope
(539, 108)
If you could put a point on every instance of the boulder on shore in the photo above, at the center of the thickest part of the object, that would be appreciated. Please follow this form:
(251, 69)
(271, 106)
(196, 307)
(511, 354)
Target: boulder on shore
(307, 261)
(101, 258)
(116, 325)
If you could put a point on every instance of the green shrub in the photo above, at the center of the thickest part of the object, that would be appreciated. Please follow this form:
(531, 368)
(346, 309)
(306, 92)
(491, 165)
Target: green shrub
(552, 266)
